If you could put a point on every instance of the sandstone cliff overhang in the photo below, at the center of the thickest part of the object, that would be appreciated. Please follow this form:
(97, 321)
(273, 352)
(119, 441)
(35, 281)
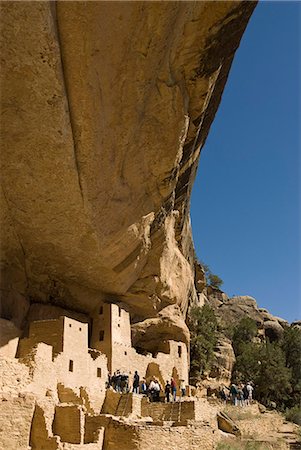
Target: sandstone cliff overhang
(105, 107)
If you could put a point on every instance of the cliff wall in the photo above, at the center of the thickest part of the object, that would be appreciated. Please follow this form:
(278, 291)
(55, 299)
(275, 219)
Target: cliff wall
(105, 107)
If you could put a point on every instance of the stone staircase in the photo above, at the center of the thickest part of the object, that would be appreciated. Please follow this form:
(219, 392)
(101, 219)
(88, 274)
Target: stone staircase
(124, 407)
(176, 412)
(172, 412)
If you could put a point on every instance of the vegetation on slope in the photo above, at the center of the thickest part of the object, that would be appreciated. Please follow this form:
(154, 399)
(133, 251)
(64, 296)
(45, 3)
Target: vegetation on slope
(273, 367)
(211, 278)
(202, 324)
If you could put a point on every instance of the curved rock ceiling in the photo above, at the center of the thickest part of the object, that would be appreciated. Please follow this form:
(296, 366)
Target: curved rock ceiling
(105, 107)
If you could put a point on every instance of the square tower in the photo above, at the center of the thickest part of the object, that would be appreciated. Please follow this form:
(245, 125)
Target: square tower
(63, 334)
(111, 333)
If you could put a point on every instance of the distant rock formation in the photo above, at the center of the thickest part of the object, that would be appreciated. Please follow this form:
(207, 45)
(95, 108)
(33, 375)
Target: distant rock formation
(229, 311)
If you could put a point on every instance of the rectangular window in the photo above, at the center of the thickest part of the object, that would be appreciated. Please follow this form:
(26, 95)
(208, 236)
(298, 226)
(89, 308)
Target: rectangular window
(98, 372)
(70, 365)
(179, 351)
(101, 335)
(119, 311)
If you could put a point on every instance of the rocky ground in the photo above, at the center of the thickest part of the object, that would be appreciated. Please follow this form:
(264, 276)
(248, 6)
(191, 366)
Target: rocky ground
(260, 430)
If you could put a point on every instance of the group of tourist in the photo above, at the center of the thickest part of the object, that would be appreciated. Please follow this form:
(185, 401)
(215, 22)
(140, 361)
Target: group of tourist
(170, 390)
(239, 395)
(119, 381)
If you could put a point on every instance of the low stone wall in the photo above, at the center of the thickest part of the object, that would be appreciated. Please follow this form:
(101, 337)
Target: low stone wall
(14, 376)
(16, 415)
(179, 438)
(69, 423)
(41, 436)
(142, 437)
(111, 402)
(196, 410)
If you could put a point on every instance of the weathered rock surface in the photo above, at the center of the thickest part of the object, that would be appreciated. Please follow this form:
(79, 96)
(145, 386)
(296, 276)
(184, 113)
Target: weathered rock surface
(151, 333)
(231, 310)
(226, 424)
(224, 360)
(105, 107)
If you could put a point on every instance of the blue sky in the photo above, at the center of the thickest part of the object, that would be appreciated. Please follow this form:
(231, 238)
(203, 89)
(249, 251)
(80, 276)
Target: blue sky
(245, 205)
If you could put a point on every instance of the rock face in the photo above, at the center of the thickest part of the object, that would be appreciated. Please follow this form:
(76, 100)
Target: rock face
(105, 107)
(233, 309)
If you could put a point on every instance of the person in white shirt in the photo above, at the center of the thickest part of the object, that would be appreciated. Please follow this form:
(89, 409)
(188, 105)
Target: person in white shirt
(250, 390)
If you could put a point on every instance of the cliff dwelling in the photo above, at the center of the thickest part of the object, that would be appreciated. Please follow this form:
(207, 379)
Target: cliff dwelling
(105, 108)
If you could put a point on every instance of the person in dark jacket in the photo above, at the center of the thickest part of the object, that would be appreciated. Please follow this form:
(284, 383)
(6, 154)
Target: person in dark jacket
(233, 393)
(136, 383)
(173, 389)
(167, 391)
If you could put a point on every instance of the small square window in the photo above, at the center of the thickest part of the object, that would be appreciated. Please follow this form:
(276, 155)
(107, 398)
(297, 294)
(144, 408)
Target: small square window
(98, 372)
(70, 365)
(101, 310)
(101, 335)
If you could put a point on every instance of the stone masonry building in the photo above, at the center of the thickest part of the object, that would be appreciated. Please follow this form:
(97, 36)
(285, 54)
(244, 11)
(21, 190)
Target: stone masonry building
(111, 335)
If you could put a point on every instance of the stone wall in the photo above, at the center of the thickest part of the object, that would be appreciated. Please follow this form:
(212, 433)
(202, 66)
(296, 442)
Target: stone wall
(75, 366)
(9, 338)
(139, 437)
(69, 423)
(16, 414)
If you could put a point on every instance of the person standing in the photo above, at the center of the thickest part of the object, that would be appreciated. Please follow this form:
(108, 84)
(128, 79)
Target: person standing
(250, 390)
(174, 389)
(136, 383)
(118, 381)
(240, 396)
(157, 390)
(233, 393)
(151, 390)
(167, 391)
(246, 395)
(223, 394)
(143, 387)
(183, 388)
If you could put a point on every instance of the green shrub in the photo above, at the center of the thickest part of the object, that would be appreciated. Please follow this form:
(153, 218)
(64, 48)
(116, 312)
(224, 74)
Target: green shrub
(215, 281)
(243, 333)
(211, 279)
(202, 324)
(294, 414)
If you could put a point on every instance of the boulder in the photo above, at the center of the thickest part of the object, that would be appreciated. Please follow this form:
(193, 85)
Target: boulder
(226, 424)
(224, 360)
(169, 325)
(273, 330)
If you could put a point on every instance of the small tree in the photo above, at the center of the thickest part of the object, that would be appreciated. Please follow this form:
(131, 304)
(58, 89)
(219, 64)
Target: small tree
(212, 279)
(264, 364)
(202, 324)
(243, 333)
(215, 281)
(291, 346)
(274, 378)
